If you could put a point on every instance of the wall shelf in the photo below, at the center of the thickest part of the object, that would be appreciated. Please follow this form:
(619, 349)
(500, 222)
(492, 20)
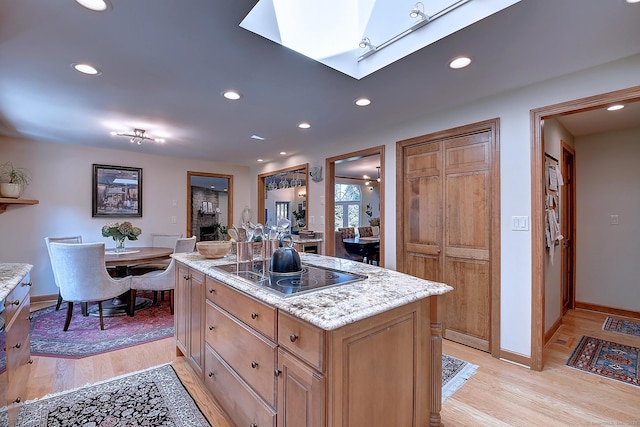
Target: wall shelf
(5, 202)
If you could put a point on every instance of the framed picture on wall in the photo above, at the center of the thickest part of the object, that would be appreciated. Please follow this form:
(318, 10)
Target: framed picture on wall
(117, 191)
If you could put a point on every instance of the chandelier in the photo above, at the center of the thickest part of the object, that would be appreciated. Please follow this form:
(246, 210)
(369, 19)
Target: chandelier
(138, 136)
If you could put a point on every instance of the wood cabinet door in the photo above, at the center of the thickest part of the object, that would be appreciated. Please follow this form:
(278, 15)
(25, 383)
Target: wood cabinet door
(196, 319)
(300, 393)
(446, 187)
(181, 308)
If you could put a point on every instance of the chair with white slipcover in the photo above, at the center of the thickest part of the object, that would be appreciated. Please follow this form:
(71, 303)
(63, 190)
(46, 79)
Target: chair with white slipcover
(69, 239)
(161, 280)
(157, 241)
(80, 270)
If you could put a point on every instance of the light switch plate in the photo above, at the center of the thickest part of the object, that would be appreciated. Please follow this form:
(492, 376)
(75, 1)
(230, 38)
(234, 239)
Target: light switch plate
(519, 223)
(615, 220)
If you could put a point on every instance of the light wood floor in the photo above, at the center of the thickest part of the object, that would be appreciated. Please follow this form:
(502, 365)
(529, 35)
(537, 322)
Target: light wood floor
(499, 394)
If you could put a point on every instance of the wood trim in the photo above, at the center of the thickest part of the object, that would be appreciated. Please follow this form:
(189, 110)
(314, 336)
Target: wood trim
(516, 358)
(537, 203)
(607, 310)
(492, 125)
(262, 186)
(329, 196)
(44, 298)
(552, 330)
(6, 201)
(229, 196)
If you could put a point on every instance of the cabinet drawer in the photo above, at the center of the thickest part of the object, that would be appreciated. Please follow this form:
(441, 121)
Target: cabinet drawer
(235, 397)
(302, 339)
(15, 297)
(251, 355)
(18, 354)
(252, 312)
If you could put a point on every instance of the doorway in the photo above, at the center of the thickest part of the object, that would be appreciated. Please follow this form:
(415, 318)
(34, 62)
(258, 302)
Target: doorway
(209, 205)
(568, 224)
(538, 116)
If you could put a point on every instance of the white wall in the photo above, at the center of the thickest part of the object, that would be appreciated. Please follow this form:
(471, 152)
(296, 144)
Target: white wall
(61, 181)
(513, 109)
(554, 132)
(608, 183)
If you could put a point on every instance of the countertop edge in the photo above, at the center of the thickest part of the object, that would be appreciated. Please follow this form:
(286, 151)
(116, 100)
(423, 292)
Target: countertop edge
(11, 274)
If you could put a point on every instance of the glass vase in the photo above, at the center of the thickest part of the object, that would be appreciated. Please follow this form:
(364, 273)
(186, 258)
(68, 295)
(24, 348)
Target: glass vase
(120, 245)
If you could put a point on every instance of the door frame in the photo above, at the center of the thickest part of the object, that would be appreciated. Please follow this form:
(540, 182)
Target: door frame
(568, 198)
(537, 117)
(493, 126)
(329, 192)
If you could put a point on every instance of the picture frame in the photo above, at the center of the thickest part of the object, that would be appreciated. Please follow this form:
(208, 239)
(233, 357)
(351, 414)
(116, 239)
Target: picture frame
(116, 191)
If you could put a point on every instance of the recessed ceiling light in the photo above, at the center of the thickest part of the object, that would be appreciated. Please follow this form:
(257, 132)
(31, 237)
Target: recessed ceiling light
(230, 94)
(283, 153)
(86, 69)
(97, 5)
(258, 137)
(459, 62)
(616, 107)
(260, 160)
(633, 1)
(304, 125)
(362, 102)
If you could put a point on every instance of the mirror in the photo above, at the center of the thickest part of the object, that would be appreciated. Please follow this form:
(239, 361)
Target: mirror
(209, 205)
(355, 185)
(283, 194)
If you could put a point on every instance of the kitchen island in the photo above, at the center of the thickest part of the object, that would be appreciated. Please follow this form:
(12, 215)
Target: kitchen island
(366, 352)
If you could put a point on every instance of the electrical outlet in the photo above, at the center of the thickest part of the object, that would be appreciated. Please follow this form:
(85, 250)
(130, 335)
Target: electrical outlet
(312, 220)
(614, 220)
(174, 203)
(321, 220)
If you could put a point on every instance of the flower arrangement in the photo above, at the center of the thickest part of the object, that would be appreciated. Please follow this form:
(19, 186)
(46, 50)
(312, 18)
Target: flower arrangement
(120, 232)
(374, 222)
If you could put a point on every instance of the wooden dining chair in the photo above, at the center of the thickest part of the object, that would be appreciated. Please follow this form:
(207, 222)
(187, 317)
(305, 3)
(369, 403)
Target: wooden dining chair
(348, 233)
(81, 272)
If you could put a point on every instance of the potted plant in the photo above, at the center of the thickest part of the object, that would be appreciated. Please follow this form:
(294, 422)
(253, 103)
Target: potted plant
(13, 180)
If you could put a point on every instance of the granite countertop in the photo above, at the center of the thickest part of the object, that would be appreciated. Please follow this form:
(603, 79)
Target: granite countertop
(11, 275)
(334, 307)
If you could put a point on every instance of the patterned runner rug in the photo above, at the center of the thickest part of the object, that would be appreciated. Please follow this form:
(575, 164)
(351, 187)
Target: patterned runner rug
(153, 397)
(607, 359)
(455, 372)
(84, 337)
(622, 326)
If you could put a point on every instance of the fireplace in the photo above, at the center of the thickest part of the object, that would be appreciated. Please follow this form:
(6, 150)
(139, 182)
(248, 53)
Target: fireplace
(208, 233)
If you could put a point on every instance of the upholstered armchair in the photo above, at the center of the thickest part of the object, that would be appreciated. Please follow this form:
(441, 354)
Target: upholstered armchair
(70, 239)
(80, 271)
(157, 241)
(365, 231)
(161, 280)
(347, 233)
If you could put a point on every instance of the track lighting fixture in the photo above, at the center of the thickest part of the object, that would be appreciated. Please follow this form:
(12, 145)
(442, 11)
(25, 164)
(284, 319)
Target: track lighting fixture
(416, 12)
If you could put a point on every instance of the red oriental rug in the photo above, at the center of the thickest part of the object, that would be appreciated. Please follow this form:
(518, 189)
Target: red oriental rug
(607, 359)
(84, 337)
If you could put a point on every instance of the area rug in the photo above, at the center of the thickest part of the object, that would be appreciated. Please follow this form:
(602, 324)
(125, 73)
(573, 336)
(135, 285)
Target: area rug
(84, 337)
(153, 397)
(455, 373)
(622, 326)
(607, 359)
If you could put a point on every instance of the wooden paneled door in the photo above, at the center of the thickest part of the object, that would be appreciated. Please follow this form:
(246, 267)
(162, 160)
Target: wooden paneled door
(448, 225)
(568, 227)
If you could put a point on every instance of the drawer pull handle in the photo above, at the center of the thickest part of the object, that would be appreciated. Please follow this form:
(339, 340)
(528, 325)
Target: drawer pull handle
(210, 374)
(30, 362)
(254, 364)
(16, 302)
(27, 284)
(253, 425)
(17, 345)
(211, 290)
(18, 400)
(211, 328)
(293, 337)
(254, 315)
(186, 277)
(277, 372)
(30, 317)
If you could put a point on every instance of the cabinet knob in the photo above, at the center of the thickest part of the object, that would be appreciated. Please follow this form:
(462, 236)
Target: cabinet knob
(210, 374)
(30, 362)
(211, 291)
(27, 284)
(277, 372)
(254, 315)
(17, 346)
(186, 277)
(211, 327)
(254, 364)
(18, 400)
(16, 302)
(293, 337)
(253, 425)
(30, 317)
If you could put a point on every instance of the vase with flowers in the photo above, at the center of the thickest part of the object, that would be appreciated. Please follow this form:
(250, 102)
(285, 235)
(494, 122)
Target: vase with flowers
(119, 232)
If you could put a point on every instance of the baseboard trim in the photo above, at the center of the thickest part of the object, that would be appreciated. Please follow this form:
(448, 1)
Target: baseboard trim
(608, 310)
(44, 298)
(552, 330)
(518, 359)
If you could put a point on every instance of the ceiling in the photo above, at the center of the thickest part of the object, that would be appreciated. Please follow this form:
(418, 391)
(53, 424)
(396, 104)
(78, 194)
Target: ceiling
(165, 63)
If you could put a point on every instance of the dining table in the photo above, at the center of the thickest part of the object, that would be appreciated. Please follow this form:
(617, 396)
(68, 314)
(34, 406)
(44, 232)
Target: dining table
(366, 247)
(119, 263)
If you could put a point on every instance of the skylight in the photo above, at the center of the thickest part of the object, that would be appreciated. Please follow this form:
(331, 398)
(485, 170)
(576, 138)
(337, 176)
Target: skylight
(330, 31)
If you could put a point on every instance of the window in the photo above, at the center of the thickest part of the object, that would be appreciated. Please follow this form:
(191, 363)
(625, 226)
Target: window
(348, 203)
(282, 210)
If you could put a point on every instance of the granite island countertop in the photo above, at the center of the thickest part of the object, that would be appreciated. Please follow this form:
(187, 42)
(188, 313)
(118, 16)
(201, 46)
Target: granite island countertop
(333, 307)
(11, 275)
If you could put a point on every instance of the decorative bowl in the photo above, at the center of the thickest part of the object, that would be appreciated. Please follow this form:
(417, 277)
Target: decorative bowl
(215, 249)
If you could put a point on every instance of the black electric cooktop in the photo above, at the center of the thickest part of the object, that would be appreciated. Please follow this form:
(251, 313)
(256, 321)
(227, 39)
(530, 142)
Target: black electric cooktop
(310, 279)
